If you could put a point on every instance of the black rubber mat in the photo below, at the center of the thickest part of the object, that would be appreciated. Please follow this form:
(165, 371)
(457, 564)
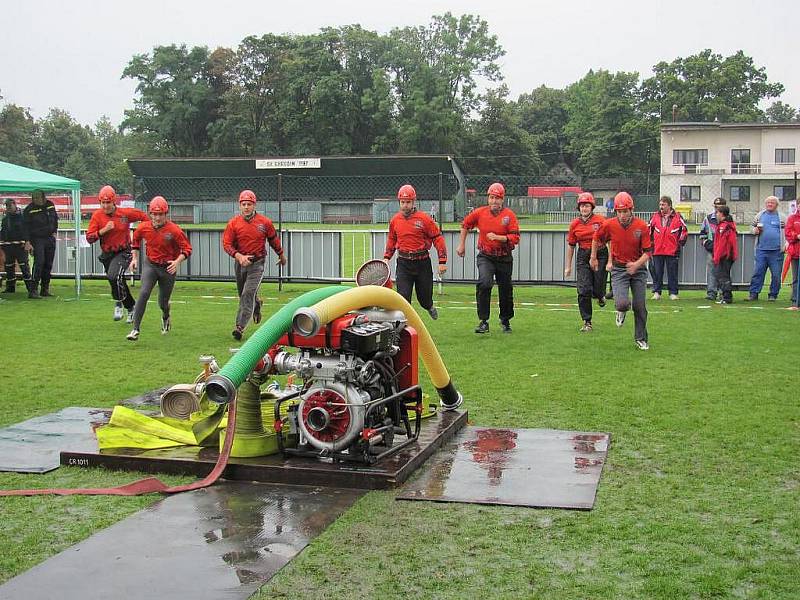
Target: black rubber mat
(221, 542)
(542, 468)
(33, 446)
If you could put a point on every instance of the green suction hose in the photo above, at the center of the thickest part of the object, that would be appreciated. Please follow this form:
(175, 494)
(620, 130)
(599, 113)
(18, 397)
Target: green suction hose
(221, 387)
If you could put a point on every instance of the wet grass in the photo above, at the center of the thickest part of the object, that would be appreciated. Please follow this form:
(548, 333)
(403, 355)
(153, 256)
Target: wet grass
(698, 499)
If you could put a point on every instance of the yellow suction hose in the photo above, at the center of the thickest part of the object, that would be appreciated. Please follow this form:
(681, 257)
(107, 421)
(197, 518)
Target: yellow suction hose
(308, 320)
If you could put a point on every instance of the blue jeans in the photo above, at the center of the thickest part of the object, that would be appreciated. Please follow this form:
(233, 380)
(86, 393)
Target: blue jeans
(772, 259)
(660, 263)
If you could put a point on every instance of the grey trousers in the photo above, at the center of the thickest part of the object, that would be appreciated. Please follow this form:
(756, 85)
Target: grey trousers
(248, 279)
(622, 283)
(152, 274)
(712, 285)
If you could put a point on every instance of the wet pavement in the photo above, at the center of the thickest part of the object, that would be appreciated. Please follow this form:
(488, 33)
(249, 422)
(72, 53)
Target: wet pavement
(543, 468)
(33, 446)
(221, 542)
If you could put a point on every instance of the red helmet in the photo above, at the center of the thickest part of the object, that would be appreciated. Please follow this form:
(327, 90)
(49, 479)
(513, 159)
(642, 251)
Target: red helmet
(496, 189)
(407, 192)
(247, 196)
(159, 205)
(107, 193)
(623, 200)
(585, 198)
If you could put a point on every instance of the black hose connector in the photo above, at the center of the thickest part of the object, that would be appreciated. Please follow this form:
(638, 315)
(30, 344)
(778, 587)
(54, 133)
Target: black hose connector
(220, 389)
(449, 397)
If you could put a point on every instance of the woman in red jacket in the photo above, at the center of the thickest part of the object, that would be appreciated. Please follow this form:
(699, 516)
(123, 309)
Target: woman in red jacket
(792, 233)
(726, 251)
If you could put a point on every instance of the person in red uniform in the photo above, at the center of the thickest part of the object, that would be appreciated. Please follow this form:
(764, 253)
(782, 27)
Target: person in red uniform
(412, 233)
(792, 233)
(498, 236)
(669, 234)
(111, 224)
(166, 247)
(630, 250)
(245, 239)
(590, 284)
(726, 252)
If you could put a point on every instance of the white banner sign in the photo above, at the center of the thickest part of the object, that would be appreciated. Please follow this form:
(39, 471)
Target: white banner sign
(288, 163)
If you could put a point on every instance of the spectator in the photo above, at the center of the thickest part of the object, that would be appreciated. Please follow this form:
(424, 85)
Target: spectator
(767, 227)
(726, 251)
(669, 234)
(590, 284)
(498, 236)
(707, 232)
(13, 241)
(111, 225)
(166, 247)
(245, 239)
(412, 233)
(630, 250)
(40, 220)
(792, 234)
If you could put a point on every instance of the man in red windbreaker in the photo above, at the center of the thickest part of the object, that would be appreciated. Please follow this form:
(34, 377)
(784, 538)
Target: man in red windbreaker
(498, 236)
(412, 233)
(630, 250)
(111, 224)
(166, 246)
(669, 235)
(245, 239)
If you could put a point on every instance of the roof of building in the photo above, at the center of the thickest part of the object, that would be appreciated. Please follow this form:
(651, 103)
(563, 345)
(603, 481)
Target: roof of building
(715, 125)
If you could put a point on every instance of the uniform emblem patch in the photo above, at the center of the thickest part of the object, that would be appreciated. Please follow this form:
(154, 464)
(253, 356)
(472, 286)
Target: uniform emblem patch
(637, 233)
(506, 220)
(123, 220)
(418, 224)
(262, 228)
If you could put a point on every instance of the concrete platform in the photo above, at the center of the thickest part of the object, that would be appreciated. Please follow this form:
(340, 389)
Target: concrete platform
(191, 460)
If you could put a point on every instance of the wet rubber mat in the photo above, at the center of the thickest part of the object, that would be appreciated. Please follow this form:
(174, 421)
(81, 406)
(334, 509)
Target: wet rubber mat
(220, 542)
(34, 446)
(543, 468)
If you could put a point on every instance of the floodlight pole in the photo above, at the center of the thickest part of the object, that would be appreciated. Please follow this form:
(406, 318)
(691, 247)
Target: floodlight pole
(280, 227)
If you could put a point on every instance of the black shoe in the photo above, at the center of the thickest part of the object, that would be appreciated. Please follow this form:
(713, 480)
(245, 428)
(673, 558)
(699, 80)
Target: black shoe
(506, 326)
(771, 298)
(711, 297)
(752, 298)
(257, 312)
(34, 295)
(601, 302)
(237, 334)
(483, 327)
(45, 293)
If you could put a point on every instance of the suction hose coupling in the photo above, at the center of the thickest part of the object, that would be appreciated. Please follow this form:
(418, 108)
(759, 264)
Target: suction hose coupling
(449, 397)
(220, 389)
(306, 321)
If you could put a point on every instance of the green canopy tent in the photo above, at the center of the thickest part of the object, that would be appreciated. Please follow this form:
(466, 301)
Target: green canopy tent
(14, 178)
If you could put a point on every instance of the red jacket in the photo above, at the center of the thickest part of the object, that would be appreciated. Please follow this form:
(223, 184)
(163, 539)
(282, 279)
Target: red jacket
(250, 237)
(414, 235)
(725, 245)
(792, 232)
(669, 233)
(504, 223)
(163, 244)
(118, 238)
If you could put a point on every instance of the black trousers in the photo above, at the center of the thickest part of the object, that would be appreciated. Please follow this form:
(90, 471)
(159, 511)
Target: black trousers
(590, 284)
(415, 274)
(16, 253)
(115, 265)
(44, 253)
(723, 274)
(491, 269)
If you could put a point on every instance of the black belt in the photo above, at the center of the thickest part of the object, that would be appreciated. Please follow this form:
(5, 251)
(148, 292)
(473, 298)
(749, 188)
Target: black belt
(422, 254)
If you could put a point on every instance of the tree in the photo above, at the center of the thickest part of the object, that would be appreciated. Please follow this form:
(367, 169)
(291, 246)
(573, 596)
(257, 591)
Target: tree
(178, 98)
(705, 86)
(543, 114)
(17, 136)
(778, 112)
(65, 147)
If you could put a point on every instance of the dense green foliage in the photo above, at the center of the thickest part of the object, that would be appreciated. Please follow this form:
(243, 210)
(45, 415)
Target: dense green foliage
(698, 498)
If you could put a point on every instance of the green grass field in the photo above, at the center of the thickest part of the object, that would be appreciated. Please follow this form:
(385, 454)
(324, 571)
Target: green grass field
(699, 497)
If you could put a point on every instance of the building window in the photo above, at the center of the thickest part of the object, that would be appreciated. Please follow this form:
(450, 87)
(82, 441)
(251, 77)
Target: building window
(784, 156)
(690, 157)
(740, 193)
(690, 193)
(784, 192)
(740, 162)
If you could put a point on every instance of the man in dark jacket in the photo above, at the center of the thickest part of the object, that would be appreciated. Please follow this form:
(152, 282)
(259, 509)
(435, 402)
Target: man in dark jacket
(12, 239)
(41, 223)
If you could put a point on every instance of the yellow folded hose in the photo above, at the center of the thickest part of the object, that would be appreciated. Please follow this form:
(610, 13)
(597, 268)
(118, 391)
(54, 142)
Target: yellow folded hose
(308, 320)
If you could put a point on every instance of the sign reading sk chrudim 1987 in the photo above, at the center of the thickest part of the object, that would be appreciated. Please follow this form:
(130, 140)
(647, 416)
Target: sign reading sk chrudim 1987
(288, 163)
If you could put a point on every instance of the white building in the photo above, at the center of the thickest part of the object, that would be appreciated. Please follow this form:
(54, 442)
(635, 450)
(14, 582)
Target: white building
(742, 162)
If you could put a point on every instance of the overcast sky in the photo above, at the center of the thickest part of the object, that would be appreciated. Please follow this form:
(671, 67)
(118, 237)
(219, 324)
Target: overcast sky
(71, 54)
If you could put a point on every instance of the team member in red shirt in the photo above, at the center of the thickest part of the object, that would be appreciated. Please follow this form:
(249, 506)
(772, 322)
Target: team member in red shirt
(792, 233)
(630, 250)
(669, 234)
(245, 239)
(166, 246)
(498, 235)
(726, 251)
(412, 233)
(590, 284)
(111, 224)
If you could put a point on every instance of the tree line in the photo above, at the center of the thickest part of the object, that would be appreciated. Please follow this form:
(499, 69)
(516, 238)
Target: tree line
(414, 90)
